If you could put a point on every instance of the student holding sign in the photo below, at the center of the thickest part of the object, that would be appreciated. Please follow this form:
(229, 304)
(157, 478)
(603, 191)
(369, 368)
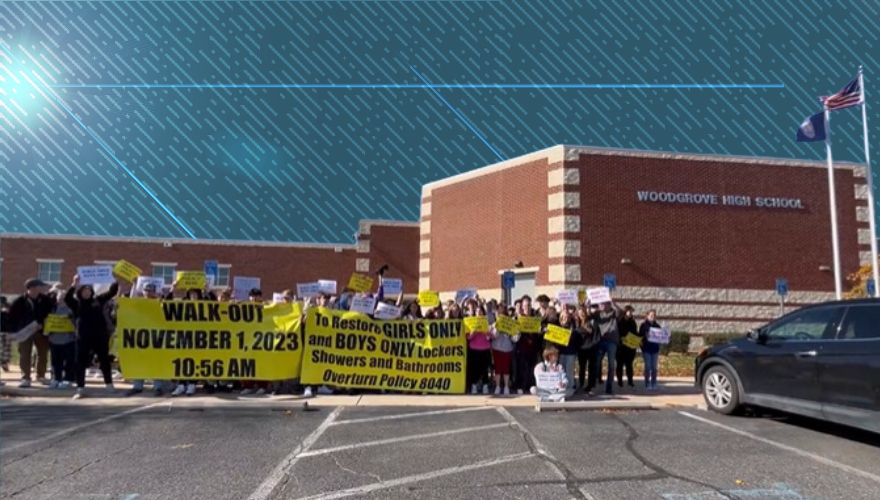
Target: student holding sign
(626, 325)
(502, 348)
(605, 319)
(568, 353)
(650, 350)
(62, 341)
(526, 350)
(551, 382)
(33, 306)
(91, 331)
(479, 355)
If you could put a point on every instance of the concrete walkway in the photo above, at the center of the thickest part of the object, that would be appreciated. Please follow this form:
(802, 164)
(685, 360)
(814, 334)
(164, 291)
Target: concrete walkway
(678, 392)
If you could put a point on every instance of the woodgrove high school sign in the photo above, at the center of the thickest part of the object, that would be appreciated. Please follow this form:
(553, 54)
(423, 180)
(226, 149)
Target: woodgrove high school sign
(735, 200)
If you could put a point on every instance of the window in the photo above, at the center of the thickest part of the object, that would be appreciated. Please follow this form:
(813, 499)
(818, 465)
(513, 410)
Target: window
(49, 270)
(862, 322)
(223, 275)
(164, 271)
(812, 324)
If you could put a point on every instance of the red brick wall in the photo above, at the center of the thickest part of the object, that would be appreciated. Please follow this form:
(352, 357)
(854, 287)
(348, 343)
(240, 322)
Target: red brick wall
(711, 246)
(278, 267)
(397, 246)
(488, 223)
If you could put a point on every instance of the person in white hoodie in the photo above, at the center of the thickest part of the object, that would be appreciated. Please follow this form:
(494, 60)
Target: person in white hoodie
(552, 383)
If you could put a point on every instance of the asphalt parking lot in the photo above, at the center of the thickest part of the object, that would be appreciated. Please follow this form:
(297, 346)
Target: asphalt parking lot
(172, 451)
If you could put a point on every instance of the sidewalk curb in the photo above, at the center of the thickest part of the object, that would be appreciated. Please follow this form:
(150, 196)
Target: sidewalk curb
(596, 406)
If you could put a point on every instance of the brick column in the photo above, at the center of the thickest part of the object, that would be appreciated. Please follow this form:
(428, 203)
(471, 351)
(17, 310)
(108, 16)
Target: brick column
(563, 223)
(425, 242)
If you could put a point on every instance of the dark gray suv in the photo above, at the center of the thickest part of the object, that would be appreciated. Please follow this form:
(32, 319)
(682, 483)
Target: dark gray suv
(821, 361)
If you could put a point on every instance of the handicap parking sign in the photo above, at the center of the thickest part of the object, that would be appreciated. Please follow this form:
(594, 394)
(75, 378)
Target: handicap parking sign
(610, 281)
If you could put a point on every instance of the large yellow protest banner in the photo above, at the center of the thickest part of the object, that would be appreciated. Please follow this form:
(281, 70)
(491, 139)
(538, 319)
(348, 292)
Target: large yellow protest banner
(346, 349)
(187, 340)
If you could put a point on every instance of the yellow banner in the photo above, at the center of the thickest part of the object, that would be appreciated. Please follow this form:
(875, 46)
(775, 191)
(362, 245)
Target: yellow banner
(558, 335)
(187, 280)
(506, 324)
(529, 324)
(344, 349)
(126, 270)
(58, 323)
(476, 324)
(632, 341)
(201, 340)
(429, 298)
(360, 282)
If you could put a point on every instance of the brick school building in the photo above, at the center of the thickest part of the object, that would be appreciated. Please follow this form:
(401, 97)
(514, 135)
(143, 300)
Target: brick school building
(278, 265)
(701, 238)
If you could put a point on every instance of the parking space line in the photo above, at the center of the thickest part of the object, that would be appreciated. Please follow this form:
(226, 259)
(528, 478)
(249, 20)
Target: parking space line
(798, 451)
(409, 415)
(324, 451)
(391, 483)
(78, 427)
(283, 468)
(539, 448)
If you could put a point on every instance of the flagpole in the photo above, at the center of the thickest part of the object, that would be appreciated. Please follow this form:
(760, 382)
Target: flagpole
(871, 218)
(832, 200)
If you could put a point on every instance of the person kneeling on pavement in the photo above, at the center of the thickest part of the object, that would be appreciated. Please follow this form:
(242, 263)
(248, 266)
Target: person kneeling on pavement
(552, 383)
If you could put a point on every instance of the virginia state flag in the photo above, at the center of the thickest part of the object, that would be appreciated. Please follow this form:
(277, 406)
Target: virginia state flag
(813, 129)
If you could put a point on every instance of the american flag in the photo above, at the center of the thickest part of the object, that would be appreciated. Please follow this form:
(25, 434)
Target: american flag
(851, 95)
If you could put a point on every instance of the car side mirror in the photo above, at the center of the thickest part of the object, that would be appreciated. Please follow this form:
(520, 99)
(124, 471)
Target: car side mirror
(757, 335)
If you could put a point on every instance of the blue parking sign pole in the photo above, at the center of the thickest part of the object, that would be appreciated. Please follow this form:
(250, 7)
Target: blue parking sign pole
(610, 281)
(508, 281)
(782, 291)
(871, 287)
(211, 269)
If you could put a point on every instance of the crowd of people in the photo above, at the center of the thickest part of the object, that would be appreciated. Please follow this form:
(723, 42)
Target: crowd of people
(497, 362)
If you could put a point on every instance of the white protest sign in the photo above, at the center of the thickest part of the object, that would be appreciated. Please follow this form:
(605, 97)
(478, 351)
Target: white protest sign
(464, 294)
(392, 286)
(278, 298)
(386, 311)
(25, 333)
(242, 285)
(327, 286)
(567, 297)
(95, 275)
(548, 381)
(363, 304)
(659, 335)
(307, 290)
(143, 280)
(598, 295)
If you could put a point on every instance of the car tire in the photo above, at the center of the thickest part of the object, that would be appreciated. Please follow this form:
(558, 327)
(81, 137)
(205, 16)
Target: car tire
(720, 390)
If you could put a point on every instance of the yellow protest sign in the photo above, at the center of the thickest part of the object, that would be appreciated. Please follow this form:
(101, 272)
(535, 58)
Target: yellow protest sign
(187, 280)
(350, 350)
(429, 298)
(126, 270)
(558, 335)
(476, 324)
(192, 340)
(529, 324)
(360, 282)
(58, 323)
(632, 341)
(506, 324)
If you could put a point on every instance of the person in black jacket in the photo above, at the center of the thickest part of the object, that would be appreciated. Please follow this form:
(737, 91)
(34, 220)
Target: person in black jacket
(33, 305)
(625, 356)
(92, 335)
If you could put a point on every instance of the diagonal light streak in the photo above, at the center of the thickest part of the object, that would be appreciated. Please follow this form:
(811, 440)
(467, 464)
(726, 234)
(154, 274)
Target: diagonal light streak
(460, 116)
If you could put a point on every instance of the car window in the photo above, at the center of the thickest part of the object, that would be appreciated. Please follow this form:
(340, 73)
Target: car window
(812, 324)
(862, 322)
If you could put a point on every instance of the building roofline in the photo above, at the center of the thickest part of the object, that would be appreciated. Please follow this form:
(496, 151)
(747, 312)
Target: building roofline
(388, 222)
(177, 241)
(568, 152)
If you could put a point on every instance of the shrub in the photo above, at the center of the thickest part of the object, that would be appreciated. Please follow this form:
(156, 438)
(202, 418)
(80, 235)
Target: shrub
(719, 338)
(678, 342)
